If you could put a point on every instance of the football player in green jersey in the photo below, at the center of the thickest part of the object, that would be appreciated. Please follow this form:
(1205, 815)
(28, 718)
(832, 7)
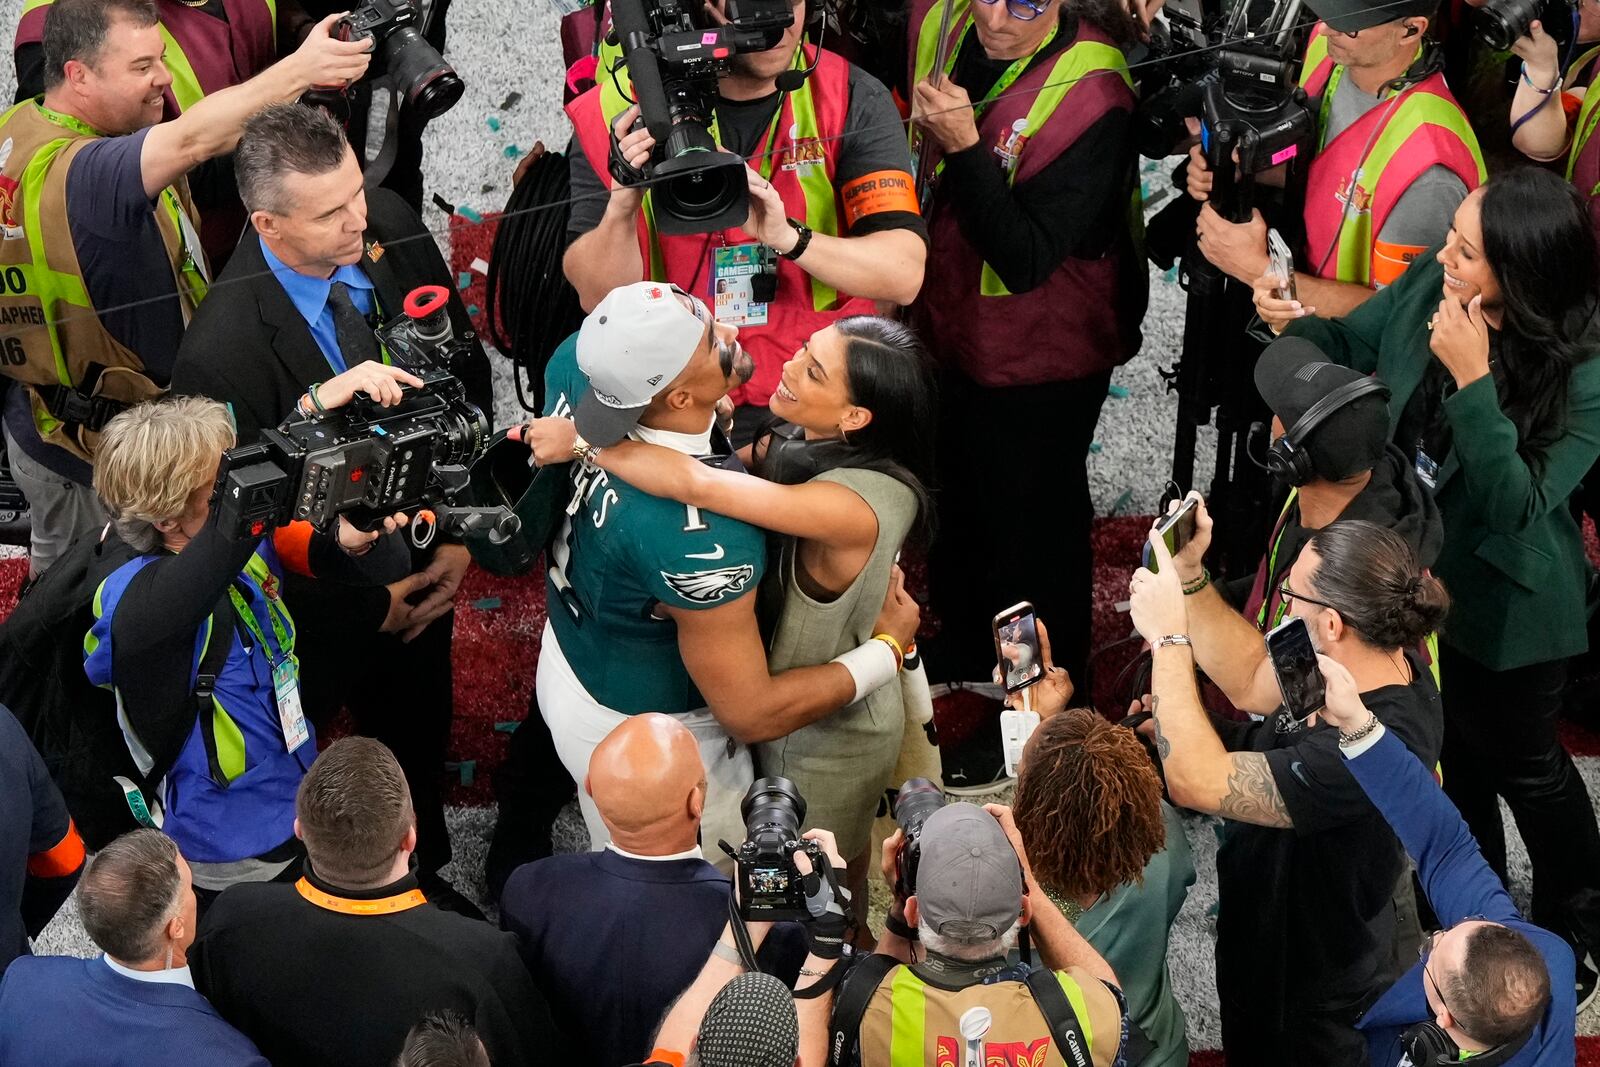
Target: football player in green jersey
(652, 603)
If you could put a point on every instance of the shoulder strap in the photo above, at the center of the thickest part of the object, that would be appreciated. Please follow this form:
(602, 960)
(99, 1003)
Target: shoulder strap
(205, 685)
(1057, 1009)
(850, 1004)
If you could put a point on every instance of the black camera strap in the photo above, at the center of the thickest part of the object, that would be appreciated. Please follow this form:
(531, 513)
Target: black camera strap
(218, 644)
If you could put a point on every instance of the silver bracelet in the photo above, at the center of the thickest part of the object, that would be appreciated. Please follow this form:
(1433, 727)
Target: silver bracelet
(1346, 740)
(727, 952)
(1173, 639)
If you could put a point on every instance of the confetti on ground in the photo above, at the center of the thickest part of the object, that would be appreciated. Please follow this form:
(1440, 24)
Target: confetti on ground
(463, 279)
(480, 265)
(493, 123)
(467, 213)
(1118, 392)
(1095, 448)
(512, 99)
(467, 769)
(511, 151)
(1122, 501)
(486, 188)
(488, 603)
(509, 727)
(473, 309)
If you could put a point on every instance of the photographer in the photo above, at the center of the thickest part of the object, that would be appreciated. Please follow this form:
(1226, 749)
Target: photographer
(1360, 233)
(96, 180)
(1489, 980)
(1034, 294)
(615, 936)
(652, 603)
(830, 196)
(1545, 130)
(973, 899)
(1489, 352)
(1106, 848)
(847, 494)
(1307, 870)
(323, 262)
(192, 635)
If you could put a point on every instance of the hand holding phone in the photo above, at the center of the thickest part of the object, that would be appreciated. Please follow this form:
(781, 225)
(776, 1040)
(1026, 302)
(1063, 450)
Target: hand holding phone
(1016, 647)
(1282, 264)
(1177, 530)
(1294, 661)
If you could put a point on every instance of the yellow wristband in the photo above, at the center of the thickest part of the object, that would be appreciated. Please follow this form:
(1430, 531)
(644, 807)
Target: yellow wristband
(899, 653)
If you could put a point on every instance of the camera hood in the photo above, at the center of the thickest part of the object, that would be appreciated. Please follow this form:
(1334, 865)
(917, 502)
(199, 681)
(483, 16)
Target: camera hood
(502, 476)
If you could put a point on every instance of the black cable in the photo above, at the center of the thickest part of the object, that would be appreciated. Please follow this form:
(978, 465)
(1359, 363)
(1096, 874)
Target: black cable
(526, 292)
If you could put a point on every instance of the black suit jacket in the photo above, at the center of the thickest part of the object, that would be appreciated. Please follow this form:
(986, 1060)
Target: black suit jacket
(249, 348)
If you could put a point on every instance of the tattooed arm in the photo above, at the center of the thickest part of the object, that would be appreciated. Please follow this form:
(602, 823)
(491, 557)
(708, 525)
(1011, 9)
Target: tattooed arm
(1201, 774)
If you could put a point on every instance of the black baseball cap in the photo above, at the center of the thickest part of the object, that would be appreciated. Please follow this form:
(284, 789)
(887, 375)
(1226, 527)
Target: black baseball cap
(1293, 374)
(1350, 16)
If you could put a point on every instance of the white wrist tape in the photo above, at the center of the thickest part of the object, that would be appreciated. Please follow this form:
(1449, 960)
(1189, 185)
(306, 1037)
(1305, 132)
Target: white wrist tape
(871, 666)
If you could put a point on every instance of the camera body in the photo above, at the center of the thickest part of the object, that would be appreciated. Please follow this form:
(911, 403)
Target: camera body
(918, 798)
(1500, 22)
(363, 461)
(427, 84)
(771, 887)
(673, 62)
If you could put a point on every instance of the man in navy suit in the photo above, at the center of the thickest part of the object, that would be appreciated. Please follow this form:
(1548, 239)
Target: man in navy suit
(135, 1005)
(1489, 984)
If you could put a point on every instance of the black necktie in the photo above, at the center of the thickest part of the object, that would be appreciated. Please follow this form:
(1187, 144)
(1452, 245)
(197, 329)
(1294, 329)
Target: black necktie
(357, 342)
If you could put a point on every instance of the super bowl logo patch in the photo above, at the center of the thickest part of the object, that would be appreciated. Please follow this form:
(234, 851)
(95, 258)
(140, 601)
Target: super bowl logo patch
(801, 151)
(270, 587)
(9, 193)
(1009, 145)
(708, 587)
(1359, 199)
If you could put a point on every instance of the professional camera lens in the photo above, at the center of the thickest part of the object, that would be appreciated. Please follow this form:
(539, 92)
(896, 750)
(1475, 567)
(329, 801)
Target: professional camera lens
(773, 806)
(1501, 22)
(918, 799)
(428, 85)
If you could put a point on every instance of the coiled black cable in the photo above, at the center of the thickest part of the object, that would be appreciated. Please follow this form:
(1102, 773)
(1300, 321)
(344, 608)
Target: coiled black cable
(526, 293)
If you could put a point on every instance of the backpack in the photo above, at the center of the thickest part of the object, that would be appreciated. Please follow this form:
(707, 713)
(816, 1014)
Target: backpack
(72, 722)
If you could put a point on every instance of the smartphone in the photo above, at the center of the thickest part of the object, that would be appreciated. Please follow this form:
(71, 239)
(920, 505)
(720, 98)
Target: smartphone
(1294, 660)
(1016, 647)
(1282, 264)
(1177, 530)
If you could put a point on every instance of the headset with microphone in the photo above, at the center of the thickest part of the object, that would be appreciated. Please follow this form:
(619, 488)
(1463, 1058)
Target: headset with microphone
(816, 15)
(1427, 1045)
(1287, 457)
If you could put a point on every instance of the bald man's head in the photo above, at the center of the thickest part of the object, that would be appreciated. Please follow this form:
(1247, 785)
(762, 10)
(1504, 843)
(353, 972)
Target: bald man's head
(649, 785)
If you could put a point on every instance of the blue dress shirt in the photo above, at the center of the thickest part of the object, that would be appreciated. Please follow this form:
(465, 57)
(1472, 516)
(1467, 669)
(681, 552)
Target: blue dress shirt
(309, 295)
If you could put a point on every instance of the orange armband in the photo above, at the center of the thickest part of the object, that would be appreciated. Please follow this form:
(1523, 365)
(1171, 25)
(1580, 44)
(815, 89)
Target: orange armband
(59, 860)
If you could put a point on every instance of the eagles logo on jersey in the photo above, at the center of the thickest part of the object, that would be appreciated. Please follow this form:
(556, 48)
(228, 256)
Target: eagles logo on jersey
(708, 587)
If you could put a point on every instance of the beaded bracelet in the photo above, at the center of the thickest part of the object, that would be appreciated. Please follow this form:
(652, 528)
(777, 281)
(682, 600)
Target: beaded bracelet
(1191, 588)
(1346, 740)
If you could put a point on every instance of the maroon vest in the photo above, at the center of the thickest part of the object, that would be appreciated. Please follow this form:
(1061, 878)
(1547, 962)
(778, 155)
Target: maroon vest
(1084, 318)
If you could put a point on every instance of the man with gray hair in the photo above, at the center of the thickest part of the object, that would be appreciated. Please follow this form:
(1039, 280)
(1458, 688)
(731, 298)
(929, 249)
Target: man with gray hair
(323, 262)
(136, 1005)
(954, 989)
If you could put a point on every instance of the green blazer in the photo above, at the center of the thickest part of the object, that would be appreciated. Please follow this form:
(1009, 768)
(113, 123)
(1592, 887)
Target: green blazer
(1513, 555)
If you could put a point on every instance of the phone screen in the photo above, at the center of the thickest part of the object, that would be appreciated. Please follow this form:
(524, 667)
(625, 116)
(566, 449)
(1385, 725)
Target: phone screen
(1282, 264)
(1016, 643)
(1294, 660)
(1177, 530)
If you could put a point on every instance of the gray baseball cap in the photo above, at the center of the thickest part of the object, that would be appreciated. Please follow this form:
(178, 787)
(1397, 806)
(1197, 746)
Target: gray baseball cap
(969, 880)
(631, 346)
(1353, 16)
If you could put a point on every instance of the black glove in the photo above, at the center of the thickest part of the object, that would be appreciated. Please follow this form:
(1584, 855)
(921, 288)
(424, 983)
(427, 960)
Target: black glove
(828, 905)
(623, 172)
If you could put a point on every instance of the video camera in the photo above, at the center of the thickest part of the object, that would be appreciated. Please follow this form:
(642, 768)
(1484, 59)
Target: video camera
(427, 84)
(771, 887)
(364, 461)
(1238, 77)
(917, 799)
(673, 63)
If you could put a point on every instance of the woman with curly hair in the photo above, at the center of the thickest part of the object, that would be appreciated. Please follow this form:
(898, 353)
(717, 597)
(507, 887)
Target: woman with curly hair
(1109, 852)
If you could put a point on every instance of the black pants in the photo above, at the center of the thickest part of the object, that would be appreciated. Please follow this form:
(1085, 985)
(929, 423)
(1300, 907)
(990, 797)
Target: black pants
(397, 693)
(1014, 517)
(1500, 740)
(1306, 1039)
(531, 787)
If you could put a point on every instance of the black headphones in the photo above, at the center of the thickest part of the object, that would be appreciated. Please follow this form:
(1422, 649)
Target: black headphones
(1287, 459)
(1427, 1045)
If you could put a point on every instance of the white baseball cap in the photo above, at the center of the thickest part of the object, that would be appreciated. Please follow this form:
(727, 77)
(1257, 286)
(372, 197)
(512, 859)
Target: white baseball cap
(633, 344)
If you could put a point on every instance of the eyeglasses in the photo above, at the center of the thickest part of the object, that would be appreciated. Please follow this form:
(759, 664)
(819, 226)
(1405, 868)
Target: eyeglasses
(1287, 594)
(1021, 10)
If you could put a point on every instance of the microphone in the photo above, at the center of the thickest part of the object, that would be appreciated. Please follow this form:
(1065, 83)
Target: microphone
(791, 80)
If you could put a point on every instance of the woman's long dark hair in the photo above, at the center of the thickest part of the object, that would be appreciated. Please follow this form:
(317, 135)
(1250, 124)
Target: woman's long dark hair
(891, 375)
(1538, 241)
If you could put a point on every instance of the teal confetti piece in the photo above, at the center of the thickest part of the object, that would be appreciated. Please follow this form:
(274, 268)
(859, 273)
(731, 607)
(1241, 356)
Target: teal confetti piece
(464, 279)
(467, 770)
(472, 309)
(493, 122)
(1122, 501)
(488, 603)
(1116, 392)
(467, 213)
(1095, 448)
(506, 727)
(511, 151)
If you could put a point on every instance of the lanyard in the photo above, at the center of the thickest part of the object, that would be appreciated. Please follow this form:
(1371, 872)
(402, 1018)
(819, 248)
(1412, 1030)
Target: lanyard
(1271, 591)
(192, 269)
(768, 149)
(241, 608)
(1007, 77)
